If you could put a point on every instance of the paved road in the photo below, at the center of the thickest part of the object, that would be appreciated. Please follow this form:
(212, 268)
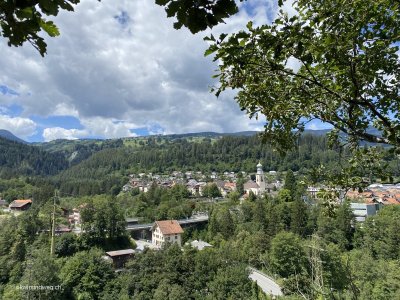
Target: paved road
(268, 286)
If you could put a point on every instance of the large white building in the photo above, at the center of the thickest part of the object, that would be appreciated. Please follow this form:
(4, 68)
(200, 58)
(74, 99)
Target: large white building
(259, 186)
(166, 231)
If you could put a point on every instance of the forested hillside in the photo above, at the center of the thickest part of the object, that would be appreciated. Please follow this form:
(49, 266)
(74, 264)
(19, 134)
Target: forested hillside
(90, 167)
(20, 159)
(76, 151)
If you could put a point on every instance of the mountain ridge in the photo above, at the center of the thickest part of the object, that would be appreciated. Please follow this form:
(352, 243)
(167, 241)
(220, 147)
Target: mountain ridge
(10, 136)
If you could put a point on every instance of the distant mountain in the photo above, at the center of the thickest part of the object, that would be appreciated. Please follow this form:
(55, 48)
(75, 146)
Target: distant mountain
(210, 134)
(9, 136)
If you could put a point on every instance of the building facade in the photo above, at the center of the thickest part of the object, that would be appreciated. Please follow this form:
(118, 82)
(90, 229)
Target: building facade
(168, 231)
(258, 187)
(363, 210)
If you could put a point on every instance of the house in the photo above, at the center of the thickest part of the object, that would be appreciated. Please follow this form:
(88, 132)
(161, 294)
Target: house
(61, 229)
(127, 187)
(20, 205)
(230, 186)
(363, 210)
(313, 191)
(75, 217)
(120, 257)
(221, 187)
(200, 245)
(166, 231)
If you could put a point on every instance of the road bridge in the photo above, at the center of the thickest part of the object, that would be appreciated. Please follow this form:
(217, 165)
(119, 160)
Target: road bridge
(266, 283)
(142, 231)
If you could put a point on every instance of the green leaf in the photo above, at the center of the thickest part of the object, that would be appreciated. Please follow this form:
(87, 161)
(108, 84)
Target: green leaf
(26, 13)
(50, 28)
(211, 50)
(162, 2)
(249, 25)
(210, 38)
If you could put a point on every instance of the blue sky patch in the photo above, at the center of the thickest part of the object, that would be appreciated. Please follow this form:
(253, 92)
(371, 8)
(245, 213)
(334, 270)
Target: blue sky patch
(149, 130)
(123, 18)
(67, 122)
(142, 131)
(252, 7)
(13, 110)
(5, 90)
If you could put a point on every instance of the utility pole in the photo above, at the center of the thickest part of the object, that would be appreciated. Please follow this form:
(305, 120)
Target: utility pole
(53, 229)
(316, 266)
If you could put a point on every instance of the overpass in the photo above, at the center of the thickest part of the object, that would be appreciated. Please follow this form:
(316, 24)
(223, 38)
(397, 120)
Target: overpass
(143, 230)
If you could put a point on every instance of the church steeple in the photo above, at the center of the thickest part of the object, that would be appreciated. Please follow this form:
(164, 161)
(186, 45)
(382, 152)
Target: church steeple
(260, 178)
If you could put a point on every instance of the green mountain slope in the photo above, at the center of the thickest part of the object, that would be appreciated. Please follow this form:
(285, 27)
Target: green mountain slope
(9, 136)
(19, 159)
(110, 167)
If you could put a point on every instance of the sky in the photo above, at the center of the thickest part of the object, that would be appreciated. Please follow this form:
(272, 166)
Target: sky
(119, 69)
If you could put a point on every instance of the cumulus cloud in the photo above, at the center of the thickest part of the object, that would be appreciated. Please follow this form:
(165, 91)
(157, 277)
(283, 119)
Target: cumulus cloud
(122, 60)
(21, 127)
(109, 128)
(55, 133)
(93, 127)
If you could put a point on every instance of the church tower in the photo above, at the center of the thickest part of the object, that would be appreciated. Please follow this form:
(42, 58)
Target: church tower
(260, 178)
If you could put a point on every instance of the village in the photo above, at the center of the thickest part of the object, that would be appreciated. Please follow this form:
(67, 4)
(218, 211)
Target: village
(197, 182)
(211, 187)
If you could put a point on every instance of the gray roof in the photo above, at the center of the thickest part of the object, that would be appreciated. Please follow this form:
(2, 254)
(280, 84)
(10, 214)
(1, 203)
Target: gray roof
(120, 252)
(250, 185)
(200, 244)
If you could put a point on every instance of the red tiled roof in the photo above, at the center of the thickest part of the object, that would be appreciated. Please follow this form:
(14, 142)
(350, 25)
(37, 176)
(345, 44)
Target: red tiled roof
(389, 200)
(169, 227)
(230, 184)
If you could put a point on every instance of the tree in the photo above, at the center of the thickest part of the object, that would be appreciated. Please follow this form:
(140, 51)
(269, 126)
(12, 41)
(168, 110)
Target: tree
(298, 217)
(211, 191)
(239, 184)
(198, 15)
(103, 220)
(66, 245)
(230, 282)
(346, 53)
(290, 183)
(348, 64)
(22, 21)
(42, 270)
(287, 256)
(86, 274)
(381, 233)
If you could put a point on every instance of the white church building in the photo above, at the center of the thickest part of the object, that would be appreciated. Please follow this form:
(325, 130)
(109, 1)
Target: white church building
(258, 187)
